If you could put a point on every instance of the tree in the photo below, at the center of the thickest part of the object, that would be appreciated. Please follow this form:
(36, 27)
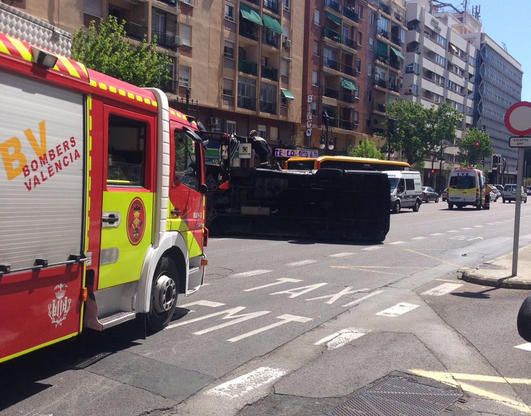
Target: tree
(475, 146)
(104, 46)
(442, 123)
(366, 148)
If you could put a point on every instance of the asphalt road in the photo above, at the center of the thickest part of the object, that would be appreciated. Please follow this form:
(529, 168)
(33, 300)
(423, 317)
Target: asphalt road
(288, 327)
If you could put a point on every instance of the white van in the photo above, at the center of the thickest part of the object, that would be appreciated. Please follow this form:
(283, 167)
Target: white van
(406, 189)
(466, 186)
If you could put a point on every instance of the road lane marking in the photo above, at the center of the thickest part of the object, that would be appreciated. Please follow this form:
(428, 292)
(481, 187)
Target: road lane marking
(299, 291)
(398, 309)
(231, 313)
(284, 319)
(341, 338)
(433, 258)
(475, 238)
(242, 385)
(525, 347)
(436, 234)
(397, 242)
(336, 296)
(342, 254)
(466, 228)
(452, 231)
(279, 281)
(419, 238)
(202, 303)
(478, 226)
(235, 319)
(301, 263)
(372, 248)
(442, 290)
(358, 301)
(369, 269)
(251, 273)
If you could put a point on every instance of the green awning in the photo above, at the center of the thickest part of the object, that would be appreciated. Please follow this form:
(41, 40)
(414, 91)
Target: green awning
(397, 53)
(334, 18)
(250, 15)
(272, 24)
(349, 85)
(381, 48)
(288, 95)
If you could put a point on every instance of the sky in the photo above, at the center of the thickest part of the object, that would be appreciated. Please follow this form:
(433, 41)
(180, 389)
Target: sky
(509, 22)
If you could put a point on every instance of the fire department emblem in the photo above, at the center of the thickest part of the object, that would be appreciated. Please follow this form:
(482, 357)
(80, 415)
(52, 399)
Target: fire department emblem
(59, 307)
(136, 221)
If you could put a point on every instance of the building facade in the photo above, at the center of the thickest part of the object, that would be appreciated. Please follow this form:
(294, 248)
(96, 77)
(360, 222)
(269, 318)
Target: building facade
(440, 68)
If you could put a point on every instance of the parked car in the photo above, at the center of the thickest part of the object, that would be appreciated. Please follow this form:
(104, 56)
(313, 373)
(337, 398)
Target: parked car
(429, 194)
(528, 190)
(509, 193)
(444, 194)
(406, 190)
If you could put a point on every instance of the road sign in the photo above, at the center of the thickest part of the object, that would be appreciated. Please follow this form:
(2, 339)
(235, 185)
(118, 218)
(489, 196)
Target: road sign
(520, 141)
(518, 118)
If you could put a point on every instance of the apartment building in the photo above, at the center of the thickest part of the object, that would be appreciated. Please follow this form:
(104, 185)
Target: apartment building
(440, 68)
(240, 61)
(334, 74)
(387, 34)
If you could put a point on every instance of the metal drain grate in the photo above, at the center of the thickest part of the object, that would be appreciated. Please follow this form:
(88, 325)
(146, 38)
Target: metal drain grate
(398, 395)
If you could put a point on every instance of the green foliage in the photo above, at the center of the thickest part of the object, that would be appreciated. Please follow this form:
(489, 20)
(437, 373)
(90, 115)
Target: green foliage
(475, 146)
(366, 148)
(421, 132)
(105, 48)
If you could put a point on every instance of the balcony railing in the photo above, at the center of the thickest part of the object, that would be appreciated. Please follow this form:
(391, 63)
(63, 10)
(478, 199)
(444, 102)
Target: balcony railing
(381, 83)
(351, 14)
(384, 33)
(270, 73)
(329, 92)
(247, 102)
(330, 63)
(166, 40)
(333, 4)
(268, 107)
(348, 125)
(395, 63)
(248, 67)
(385, 8)
(332, 34)
(271, 39)
(248, 31)
(380, 108)
(349, 70)
(351, 43)
(135, 30)
(396, 40)
(348, 97)
(271, 5)
(394, 86)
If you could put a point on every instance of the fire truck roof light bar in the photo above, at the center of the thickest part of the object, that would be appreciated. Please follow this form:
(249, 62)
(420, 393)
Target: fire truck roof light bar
(43, 58)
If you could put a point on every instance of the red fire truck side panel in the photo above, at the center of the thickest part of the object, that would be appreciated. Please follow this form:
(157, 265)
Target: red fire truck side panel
(38, 308)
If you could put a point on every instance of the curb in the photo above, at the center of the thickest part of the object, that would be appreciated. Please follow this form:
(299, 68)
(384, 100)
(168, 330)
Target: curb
(475, 276)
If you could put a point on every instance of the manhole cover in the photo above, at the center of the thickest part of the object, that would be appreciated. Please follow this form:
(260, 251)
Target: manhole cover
(398, 395)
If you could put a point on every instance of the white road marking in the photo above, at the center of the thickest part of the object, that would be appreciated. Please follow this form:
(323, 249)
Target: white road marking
(342, 254)
(525, 347)
(475, 238)
(478, 226)
(246, 383)
(279, 281)
(372, 248)
(398, 309)
(341, 338)
(436, 234)
(397, 242)
(299, 291)
(229, 314)
(202, 303)
(452, 231)
(357, 301)
(419, 238)
(442, 290)
(301, 263)
(466, 228)
(336, 296)
(284, 319)
(251, 273)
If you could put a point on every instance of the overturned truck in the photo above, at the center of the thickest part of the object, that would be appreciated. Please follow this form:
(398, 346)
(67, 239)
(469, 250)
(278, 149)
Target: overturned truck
(250, 195)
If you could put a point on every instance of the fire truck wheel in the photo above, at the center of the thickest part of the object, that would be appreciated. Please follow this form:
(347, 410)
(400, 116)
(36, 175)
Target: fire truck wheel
(164, 292)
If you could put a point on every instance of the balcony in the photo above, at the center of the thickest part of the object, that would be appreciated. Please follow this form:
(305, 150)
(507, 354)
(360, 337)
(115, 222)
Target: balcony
(135, 30)
(348, 125)
(396, 40)
(271, 38)
(331, 93)
(380, 82)
(351, 43)
(270, 73)
(351, 14)
(380, 108)
(332, 34)
(268, 107)
(384, 33)
(394, 86)
(385, 8)
(333, 4)
(348, 97)
(248, 67)
(395, 63)
(271, 5)
(247, 102)
(349, 70)
(248, 30)
(330, 63)
(166, 40)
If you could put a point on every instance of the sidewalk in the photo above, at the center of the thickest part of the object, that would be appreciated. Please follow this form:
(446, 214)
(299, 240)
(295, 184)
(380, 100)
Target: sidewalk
(497, 272)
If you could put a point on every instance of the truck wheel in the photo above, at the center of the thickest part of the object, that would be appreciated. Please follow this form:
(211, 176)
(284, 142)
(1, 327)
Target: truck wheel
(164, 292)
(396, 207)
(416, 206)
(503, 200)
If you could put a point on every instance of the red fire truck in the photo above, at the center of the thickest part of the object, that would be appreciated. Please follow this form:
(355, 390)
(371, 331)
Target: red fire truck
(102, 213)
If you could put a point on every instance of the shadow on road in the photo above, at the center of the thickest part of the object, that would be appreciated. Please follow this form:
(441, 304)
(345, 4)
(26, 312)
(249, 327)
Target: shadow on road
(483, 294)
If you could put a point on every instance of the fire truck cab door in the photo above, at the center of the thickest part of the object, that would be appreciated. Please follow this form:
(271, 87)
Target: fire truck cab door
(128, 192)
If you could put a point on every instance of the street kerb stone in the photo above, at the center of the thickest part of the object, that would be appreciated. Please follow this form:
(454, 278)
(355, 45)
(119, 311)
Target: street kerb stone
(494, 278)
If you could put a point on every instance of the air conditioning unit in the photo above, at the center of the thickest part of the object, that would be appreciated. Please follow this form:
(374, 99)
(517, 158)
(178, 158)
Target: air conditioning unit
(287, 43)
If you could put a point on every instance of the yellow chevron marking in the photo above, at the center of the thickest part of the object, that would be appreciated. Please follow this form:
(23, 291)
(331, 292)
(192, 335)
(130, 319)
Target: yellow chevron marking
(113, 89)
(3, 48)
(24, 52)
(93, 83)
(68, 65)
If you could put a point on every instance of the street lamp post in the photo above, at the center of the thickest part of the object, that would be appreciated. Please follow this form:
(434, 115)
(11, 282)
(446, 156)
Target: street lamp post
(327, 143)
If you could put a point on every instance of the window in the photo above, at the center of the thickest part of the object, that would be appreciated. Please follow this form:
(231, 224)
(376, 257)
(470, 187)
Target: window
(284, 68)
(185, 34)
(410, 185)
(315, 78)
(261, 130)
(313, 107)
(230, 127)
(184, 76)
(229, 11)
(273, 133)
(316, 48)
(316, 17)
(127, 151)
(186, 168)
(372, 18)
(228, 49)
(228, 89)
(164, 28)
(286, 5)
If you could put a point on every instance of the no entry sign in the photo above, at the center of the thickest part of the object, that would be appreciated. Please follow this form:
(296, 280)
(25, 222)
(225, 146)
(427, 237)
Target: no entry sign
(518, 118)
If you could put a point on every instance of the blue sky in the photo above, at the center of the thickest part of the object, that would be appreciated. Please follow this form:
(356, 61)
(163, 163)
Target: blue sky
(509, 22)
